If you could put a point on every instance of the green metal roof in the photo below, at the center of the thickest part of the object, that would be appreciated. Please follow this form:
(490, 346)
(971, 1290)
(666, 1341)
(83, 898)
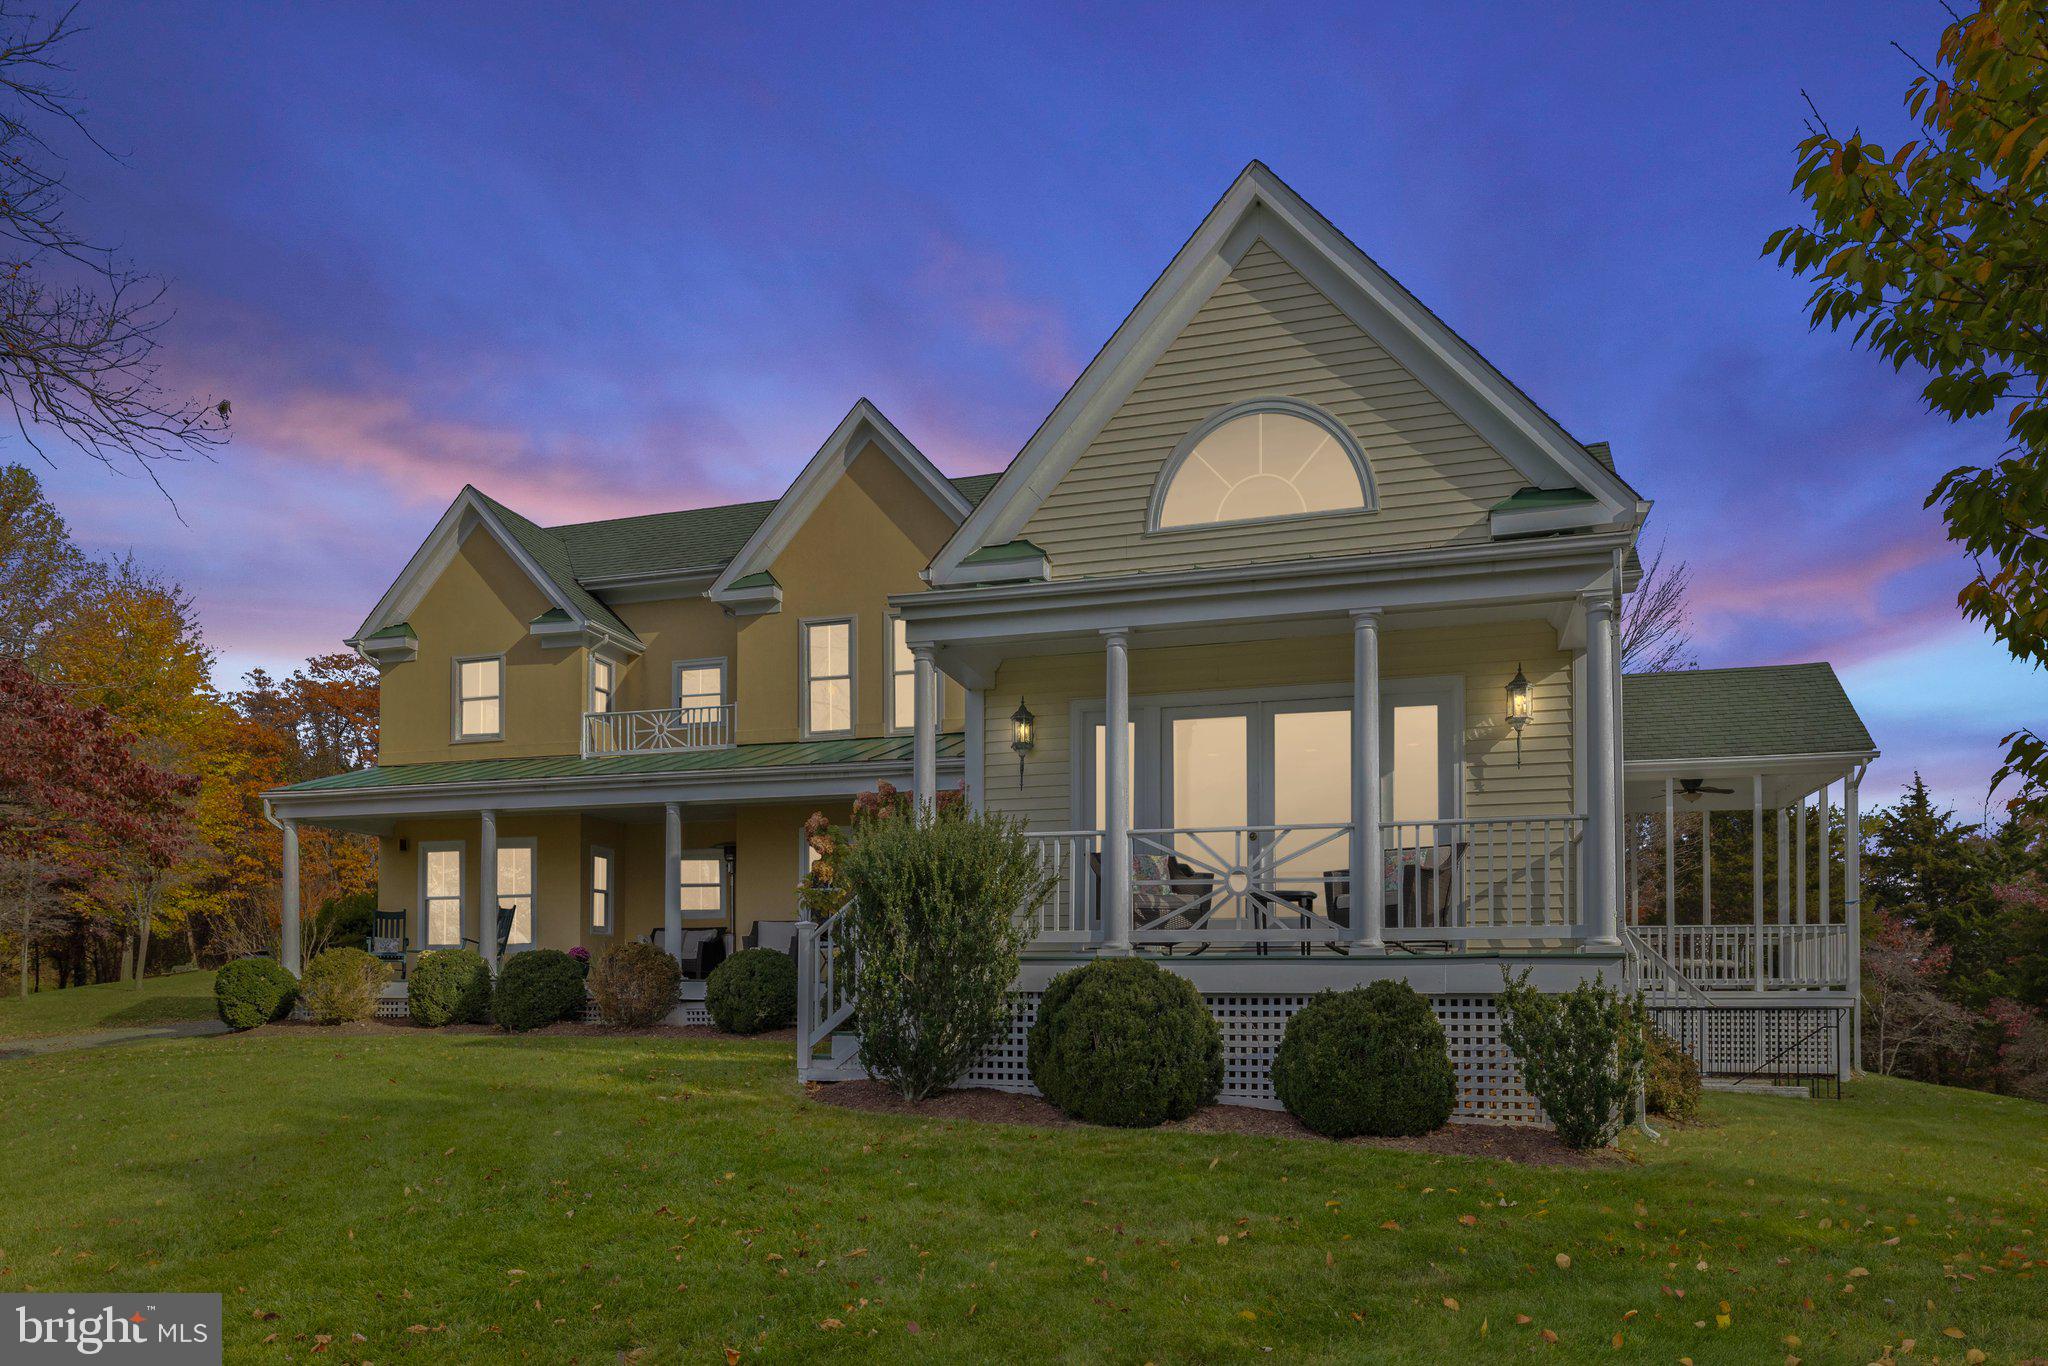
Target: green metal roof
(764, 579)
(401, 630)
(1008, 550)
(792, 754)
(1529, 500)
(1739, 713)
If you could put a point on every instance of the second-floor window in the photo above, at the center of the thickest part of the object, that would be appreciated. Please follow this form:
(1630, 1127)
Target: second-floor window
(479, 698)
(700, 683)
(828, 676)
(601, 675)
(902, 678)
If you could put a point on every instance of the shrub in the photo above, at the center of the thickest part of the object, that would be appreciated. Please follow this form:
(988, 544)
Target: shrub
(537, 988)
(449, 986)
(1581, 1054)
(1671, 1080)
(635, 986)
(1123, 1041)
(753, 990)
(937, 900)
(1371, 1060)
(341, 985)
(253, 991)
(345, 922)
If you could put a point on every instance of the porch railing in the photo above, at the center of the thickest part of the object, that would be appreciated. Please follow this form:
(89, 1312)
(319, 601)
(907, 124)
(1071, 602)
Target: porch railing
(651, 732)
(825, 961)
(1732, 957)
(1487, 878)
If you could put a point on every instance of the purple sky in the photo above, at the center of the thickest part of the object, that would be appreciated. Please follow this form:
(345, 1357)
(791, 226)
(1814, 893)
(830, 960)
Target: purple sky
(598, 261)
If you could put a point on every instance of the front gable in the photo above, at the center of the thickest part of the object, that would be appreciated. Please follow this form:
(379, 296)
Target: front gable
(1267, 301)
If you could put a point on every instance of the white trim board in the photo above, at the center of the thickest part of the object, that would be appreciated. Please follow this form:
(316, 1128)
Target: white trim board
(1259, 206)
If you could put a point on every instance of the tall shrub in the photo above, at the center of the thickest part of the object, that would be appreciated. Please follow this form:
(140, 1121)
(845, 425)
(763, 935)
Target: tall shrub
(253, 991)
(635, 985)
(1581, 1053)
(449, 986)
(342, 985)
(936, 923)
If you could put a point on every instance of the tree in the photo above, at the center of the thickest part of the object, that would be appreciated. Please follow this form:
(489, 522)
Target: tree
(1935, 252)
(1922, 866)
(40, 568)
(1909, 1026)
(1656, 625)
(78, 325)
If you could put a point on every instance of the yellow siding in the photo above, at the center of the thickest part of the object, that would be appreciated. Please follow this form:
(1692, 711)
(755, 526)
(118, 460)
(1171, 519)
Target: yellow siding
(671, 630)
(870, 537)
(483, 603)
(1267, 332)
(1484, 656)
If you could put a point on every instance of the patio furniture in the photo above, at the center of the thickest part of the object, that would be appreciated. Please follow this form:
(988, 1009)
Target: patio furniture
(779, 935)
(1157, 900)
(702, 950)
(505, 914)
(387, 938)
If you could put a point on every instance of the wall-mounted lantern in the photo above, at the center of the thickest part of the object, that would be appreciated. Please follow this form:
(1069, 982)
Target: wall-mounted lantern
(1518, 709)
(1023, 736)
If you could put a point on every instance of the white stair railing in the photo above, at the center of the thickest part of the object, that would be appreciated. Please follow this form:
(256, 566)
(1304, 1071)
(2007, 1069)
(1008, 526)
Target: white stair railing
(1653, 974)
(825, 965)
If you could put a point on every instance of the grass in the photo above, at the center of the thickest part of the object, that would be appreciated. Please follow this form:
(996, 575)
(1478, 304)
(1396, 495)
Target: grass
(109, 1005)
(482, 1197)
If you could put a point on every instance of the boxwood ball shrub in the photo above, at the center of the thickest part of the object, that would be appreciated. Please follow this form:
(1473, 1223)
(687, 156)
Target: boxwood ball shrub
(449, 986)
(253, 991)
(753, 990)
(1371, 1060)
(342, 985)
(635, 985)
(537, 988)
(1123, 1041)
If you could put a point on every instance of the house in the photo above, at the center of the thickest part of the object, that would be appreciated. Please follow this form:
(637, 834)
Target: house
(1291, 593)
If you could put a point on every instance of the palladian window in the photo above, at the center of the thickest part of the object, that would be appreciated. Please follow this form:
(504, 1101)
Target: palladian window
(1257, 461)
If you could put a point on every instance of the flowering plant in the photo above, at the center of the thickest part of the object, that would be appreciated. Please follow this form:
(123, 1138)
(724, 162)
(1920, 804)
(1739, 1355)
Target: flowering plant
(582, 957)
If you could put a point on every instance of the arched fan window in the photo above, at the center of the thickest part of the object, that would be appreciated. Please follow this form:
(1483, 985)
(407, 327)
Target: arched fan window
(1257, 461)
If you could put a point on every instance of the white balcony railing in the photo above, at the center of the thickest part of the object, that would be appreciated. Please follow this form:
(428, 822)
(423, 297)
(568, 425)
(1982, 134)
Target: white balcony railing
(653, 732)
(1443, 881)
(1726, 957)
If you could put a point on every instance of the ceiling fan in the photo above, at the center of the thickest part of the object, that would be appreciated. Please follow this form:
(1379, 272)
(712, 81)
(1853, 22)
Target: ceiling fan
(1691, 788)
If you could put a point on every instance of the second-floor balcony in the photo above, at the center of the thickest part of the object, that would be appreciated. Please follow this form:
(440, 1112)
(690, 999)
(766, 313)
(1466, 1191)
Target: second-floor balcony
(653, 732)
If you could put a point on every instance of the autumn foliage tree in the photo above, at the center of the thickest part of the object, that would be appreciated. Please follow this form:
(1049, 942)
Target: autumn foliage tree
(1934, 252)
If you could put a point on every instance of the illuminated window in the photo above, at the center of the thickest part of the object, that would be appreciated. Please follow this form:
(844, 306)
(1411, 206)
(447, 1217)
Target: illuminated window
(700, 683)
(601, 891)
(479, 698)
(515, 889)
(828, 676)
(441, 894)
(1258, 461)
(600, 684)
(700, 876)
(902, 678)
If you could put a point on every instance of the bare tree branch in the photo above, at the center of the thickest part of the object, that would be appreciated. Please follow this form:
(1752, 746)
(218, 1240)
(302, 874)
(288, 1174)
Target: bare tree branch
(1656, 620)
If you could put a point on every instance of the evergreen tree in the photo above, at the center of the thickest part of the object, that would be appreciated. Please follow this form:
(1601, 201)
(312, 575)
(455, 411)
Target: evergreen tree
(1923, 866)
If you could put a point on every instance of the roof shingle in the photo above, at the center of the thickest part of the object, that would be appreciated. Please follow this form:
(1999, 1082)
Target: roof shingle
(1740, 713)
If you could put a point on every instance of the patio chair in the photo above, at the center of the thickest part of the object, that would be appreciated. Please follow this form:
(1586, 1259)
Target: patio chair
(779, 935)
(387, 938)
(702, 950)
(505, 916)
(1155, 902)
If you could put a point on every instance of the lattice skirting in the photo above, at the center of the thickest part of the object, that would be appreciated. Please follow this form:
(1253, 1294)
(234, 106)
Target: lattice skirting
(1736, 1040)
(1489, 1085)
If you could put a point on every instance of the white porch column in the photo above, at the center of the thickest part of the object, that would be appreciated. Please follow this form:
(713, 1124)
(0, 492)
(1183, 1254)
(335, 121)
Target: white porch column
(487, 888)
(1116, 788)
(288, 900)
(672, 879)
(1706, 867)
(1820, 811)
(1603, 824)
(1367, 927)
(1852, 910)
(1670, 870)
(1784, 871)
(1799, 867)
(1756, 877)
(976, 775)
(924, 762)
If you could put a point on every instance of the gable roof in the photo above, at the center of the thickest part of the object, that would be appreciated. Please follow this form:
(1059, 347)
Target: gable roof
(1752, 713)
(1257, 207)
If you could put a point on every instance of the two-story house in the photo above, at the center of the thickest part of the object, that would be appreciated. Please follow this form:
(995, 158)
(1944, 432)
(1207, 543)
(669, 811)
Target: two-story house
(1292, 593)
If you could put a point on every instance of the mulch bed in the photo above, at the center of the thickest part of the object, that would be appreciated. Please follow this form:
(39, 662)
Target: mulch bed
(1524, 1143)
(565, 1027)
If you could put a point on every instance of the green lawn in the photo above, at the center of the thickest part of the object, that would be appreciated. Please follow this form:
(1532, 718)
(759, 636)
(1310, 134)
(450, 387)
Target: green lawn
(480, 1197)
(110, 1005)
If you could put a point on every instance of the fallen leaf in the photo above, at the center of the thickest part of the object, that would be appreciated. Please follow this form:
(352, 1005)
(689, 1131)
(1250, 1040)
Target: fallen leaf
(1564, 1261)
(1449, 1303)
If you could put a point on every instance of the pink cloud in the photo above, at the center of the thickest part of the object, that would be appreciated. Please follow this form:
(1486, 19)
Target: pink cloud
(973, 285)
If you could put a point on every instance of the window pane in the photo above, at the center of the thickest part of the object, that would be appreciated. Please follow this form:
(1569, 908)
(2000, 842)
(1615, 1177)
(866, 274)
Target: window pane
(1311, 786)
(515, 872)
(600, 911)
(522, 919)
(1418, 766)
(1211, 772)
(444, 872)
(702, 887)
(829, 649)
(700, 686)
(899, 644)
(904, 697)
(600, 873)
(1102, 767)
(1276, 464)
(480, 717)
(831, 704)
(480, 678)
(444, 921)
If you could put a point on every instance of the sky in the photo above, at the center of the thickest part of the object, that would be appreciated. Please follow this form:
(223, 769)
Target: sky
(608, 259)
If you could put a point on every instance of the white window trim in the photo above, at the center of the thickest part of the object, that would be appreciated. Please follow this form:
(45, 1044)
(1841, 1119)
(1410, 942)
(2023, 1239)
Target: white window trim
(894, 724)
(675, 678)
(716, 856)
(852, 674)
(455, 731)
(532, 846)
(611, 696)
(461, 894)
(1293, 407)
(611, 891)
